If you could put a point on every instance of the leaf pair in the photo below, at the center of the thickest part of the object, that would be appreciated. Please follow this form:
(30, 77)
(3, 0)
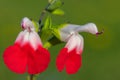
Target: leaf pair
(54, 7)
(48, 32)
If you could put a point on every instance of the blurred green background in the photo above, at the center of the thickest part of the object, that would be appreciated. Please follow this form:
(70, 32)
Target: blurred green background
(101, 56)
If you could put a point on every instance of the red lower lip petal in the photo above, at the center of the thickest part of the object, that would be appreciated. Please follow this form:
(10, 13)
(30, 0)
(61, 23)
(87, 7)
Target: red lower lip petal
(38, 61)
(69, 60)
(15, 59)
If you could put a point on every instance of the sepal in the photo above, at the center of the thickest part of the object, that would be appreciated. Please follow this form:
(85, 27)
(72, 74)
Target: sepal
(54, 4)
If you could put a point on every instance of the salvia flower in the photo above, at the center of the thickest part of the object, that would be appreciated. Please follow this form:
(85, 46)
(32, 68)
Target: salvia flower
(27, 53)
(70, 56)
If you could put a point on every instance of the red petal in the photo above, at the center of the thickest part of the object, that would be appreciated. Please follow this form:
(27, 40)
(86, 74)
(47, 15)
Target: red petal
(38, 61)
(61, 59)
(15, 59)
(73, 62)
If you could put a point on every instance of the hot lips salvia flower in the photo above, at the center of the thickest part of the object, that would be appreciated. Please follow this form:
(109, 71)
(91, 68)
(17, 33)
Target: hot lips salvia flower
(27, 53)
(70, 56)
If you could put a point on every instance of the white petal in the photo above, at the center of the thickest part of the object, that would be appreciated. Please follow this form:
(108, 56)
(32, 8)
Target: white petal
(66, 31)
(90, 27)
(69, 28)
(25, 38)
(75, 42)
(34, 40)
(20, 37)
(27, 23)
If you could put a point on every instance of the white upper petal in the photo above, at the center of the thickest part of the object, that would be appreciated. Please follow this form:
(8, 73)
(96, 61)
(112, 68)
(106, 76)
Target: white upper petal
(34, 40)
(28, 35)
(20, 37)
(75, 42)
(25, 38)
(66, 31)
(90, 27)
(27, 24)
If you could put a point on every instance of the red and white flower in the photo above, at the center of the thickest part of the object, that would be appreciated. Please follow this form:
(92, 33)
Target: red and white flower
(27, 53)
(70, 57)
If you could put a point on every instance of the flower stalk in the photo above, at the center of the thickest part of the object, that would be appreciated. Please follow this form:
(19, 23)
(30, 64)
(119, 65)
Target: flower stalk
(32, 77)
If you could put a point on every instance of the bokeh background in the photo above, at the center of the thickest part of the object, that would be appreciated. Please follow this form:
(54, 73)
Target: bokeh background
(101, 56)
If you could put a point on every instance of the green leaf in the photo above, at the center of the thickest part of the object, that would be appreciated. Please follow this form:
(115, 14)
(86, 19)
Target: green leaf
(51, 42)
(36, 25)
(55, 39)
(46, 32)
(58, 12)
(48, 23)
(50, 1)
(54, 4)
(56, 30)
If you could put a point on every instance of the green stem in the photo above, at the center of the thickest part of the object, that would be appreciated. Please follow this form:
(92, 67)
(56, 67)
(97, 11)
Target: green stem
(31, 77)
(42, 16)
